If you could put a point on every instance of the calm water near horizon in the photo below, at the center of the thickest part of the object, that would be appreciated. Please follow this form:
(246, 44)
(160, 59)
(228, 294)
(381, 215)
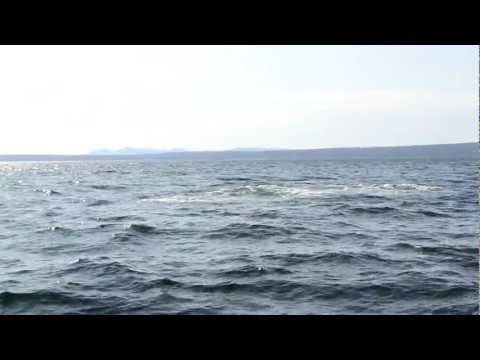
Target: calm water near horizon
(239, 237)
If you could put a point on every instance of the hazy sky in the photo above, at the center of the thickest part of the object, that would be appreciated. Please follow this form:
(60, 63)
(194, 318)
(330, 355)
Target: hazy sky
(73, 99)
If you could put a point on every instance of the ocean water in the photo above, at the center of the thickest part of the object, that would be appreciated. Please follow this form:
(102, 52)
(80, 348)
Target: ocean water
(239, 237)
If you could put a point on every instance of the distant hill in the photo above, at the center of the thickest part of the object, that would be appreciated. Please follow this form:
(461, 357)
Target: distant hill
(442, 151)
(133, 151)
(255, 149)
(145, 151)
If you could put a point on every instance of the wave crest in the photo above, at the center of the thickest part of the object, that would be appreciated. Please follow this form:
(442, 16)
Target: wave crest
(231, 193)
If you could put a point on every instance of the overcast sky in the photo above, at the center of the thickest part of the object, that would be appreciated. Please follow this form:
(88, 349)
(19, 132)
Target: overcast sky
(74, 99)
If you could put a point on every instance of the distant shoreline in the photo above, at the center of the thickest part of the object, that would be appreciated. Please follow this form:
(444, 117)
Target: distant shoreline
(459, 150)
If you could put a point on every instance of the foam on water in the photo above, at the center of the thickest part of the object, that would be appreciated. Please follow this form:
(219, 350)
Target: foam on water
(279, 191)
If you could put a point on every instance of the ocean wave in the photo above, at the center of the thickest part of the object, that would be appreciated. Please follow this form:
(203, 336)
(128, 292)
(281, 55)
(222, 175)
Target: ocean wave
(433, 213)
(298, 291)
(259, 287)
(101, 266)
(315, 177)
(181, 199)
(449, 251)
(457, 309)
(254, 231)
(104, 226)
(372, 191)
(253, 271)
(142, 286)
(135, 230)
(237, 178)
(100, 203)
(234, 193)
(408, 187)
(278, 190)
(210, 310)
(277, 289)
(42, 297)
(329, 257)
(374, 210)
(119, 218)
(465, 255)
(48, 192)
(51, 213)
(105, 172)
(57, 229)
(265, 214)
(143, 229)
(125, 237)
(108, 187)
(403, 246)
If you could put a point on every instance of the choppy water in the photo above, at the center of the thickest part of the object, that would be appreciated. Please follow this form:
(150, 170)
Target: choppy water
(239, 237)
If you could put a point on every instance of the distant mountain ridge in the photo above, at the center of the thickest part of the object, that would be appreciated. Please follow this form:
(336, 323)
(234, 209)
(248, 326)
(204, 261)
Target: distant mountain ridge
(146, 151)
(440, 151)
(134, 151)
(255, 149)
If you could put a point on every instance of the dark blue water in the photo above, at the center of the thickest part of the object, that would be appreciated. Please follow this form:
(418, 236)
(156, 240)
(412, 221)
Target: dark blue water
(239, 237)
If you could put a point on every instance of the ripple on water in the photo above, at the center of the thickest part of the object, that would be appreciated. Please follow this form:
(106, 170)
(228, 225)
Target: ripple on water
(239, 237)
(99, 203)
(254, 231)
(108, 187)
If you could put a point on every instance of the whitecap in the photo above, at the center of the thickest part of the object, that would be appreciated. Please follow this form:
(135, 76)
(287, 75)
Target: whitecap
(269, 191)
(409, 187)
(179, 199)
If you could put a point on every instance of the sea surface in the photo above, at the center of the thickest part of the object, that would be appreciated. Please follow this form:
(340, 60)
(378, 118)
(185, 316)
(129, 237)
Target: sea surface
(239, 237)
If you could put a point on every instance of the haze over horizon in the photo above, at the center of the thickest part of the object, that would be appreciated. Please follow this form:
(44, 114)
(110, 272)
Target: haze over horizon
(140, 151)
(75, 99)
